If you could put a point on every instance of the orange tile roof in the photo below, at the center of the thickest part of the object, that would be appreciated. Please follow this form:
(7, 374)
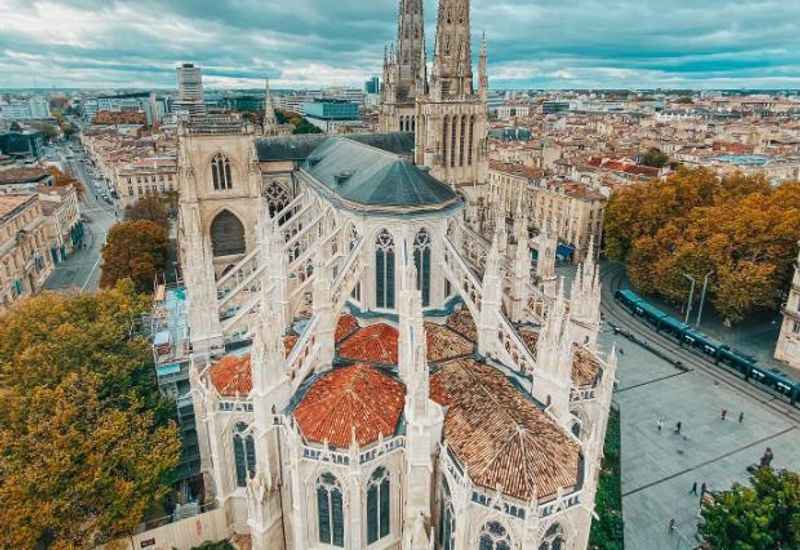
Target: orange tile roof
(502, 438)
(585, 367)
(372, 344)
(232, 376)
(345, 326)
(288, 343)
(530, 337)
(358, 399)
(443, 343)
(462, 322)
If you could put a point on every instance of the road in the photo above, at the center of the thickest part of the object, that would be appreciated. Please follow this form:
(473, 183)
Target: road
(82, 270)
(660, 466)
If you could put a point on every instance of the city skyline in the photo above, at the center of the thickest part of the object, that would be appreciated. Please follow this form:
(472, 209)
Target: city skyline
(542, 44)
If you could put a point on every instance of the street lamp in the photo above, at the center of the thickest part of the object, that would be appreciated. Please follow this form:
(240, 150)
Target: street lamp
(703, 298)
(691, 296)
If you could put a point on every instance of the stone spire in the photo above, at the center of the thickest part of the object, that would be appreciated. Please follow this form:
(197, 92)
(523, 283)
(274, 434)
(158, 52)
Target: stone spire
(483, 75)
(411, 48)
(452, 63)
(270, 120)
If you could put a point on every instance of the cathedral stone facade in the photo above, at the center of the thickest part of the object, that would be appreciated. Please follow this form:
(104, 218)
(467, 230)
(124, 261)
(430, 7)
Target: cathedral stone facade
(376, 360)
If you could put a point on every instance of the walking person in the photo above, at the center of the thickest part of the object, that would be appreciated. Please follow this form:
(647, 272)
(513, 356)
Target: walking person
(660, 423)
(678, 427)
(724, 414)
(671, 525)
(694, 488)
(741, 417)
(703, 490)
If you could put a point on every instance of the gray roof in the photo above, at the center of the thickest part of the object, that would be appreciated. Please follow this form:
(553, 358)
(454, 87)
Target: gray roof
(364, 177)
(299, 147)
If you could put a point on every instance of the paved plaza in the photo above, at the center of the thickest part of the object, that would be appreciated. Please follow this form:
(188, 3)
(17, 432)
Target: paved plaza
(658, 468)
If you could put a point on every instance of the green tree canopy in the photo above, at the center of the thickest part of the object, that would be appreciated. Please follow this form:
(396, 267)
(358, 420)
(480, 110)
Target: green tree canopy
(135, 250)
(655, 158)
(763, 516)
(739, 228)
(86, 445)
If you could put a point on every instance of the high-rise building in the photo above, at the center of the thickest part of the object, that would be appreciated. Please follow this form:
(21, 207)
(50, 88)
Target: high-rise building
(373, 85)
(190, 90)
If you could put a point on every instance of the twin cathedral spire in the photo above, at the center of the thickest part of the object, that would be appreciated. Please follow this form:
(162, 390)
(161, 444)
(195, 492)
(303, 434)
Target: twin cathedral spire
(443, 110)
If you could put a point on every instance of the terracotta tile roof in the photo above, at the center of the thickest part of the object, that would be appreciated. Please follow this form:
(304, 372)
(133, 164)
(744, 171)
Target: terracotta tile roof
(358, 398)
(288, 343)
(502, 438)
(585, 367)
(443, 343)
(345, 326)
(23, 175)
(462, 322)
(231, 375)
(530, 337)
(8, 203)
(372, 344)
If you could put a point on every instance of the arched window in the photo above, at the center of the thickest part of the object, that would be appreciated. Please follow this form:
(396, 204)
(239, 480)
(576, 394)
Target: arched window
(453, 130)
(277, 199)
(445, 135)
(244, 454)
(221, 173)
(422, 261)
(553, 539)
(462, 140)
(494, 537)
(378, 505)
(384, 270)
(471, 144)
(227, 235)
(330, 510)
(447, 519)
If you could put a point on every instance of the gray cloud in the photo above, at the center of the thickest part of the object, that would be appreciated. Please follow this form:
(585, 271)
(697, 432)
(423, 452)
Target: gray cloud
(310, 43)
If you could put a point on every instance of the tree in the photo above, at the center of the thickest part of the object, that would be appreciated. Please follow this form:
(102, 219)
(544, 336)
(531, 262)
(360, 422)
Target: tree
(739, 228)
(85, 444)
(655, 158)
(150, 208)
(60, 179)
(49, 131)
(763, 516)
(135, 250)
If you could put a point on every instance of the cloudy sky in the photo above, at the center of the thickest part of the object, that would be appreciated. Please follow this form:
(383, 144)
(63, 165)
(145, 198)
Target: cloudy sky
(311, 43)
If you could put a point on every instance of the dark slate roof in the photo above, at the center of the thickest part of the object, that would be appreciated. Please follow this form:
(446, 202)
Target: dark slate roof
(299, 147)
(367, 178)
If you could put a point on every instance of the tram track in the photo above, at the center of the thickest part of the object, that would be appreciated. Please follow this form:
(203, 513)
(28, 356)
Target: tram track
(611, 281)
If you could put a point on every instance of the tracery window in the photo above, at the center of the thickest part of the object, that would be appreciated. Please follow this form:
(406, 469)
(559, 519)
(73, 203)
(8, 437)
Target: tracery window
(494, 537)
(227, 235)
(221, 173)
(553, 538)
(330, 510)
(422, 261)
(447, 519)
(244, 454)
(277, 199)
(378, 505)
(384, 270)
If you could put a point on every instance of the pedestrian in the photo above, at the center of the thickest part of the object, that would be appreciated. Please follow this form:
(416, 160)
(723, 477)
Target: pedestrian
(741, 417)
(621, 351)
(660, 423)
(678, 427)
(724, 414)
(672, 524)
(694, 488)
(703, 490)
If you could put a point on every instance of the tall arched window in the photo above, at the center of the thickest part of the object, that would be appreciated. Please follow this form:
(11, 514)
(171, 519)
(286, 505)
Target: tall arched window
(244, 454)
(453, 130)
(422, 261)
(227, 235)
(221, 172)
(378, 505)
(494, 537)
(384, 270)
(462, 140)
(553, 539)
(445, 138)
(447, 519)
(329, 510)
(277, 199)
(471, 144)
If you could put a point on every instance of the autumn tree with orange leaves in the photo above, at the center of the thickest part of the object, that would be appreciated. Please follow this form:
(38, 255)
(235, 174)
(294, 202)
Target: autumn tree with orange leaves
(87, 445)
(738, 227)
(135, 250)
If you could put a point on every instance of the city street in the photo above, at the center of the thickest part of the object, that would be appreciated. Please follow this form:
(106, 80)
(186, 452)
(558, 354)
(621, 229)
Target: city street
(82, 270)
(660, 466)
